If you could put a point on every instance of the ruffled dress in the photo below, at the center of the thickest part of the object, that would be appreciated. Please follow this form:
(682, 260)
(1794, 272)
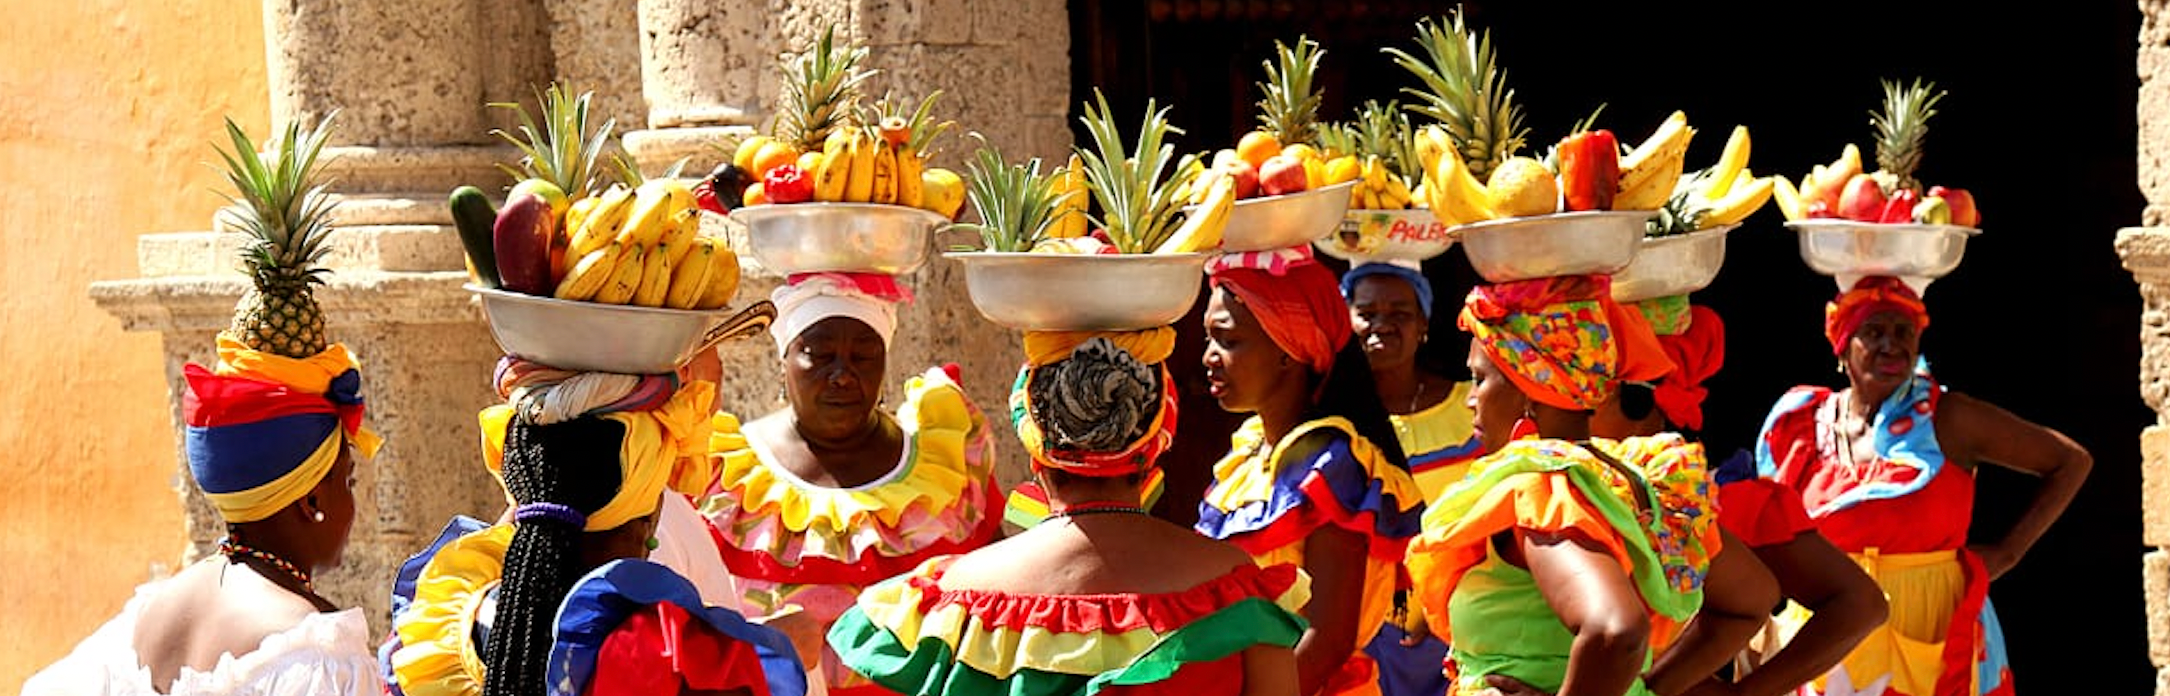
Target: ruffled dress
(630, 627)
(913, 636)
(1903, 516)
(325, 654)
(798, 547)
(1268, 500)
(1658, 525)
(1440, 441)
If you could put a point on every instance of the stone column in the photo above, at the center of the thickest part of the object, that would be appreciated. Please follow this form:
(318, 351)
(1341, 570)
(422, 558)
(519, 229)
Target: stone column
(700, 67)
(2146, 253)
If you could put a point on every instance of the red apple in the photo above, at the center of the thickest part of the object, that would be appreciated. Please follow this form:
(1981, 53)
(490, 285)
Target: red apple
(1861, 199)
(1961, 203)
(1281, 174)
(1246, 177)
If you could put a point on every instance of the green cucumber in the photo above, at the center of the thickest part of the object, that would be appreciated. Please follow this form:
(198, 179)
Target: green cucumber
(476, 218)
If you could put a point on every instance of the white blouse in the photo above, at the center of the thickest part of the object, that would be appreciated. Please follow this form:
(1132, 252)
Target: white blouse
(323, 655)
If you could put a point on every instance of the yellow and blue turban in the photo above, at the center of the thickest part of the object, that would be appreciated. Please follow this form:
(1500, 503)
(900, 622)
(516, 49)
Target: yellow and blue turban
(263, 429)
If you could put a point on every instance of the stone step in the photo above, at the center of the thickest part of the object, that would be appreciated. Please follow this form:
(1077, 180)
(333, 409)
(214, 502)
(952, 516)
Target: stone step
(409, 248)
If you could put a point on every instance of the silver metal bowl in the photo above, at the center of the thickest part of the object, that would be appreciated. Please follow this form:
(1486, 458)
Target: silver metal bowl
(1849, 251)
(1589, 242)
(1673, 265)
(1365, 235)
(853, 237)
(596, 337)
(1081, 292)
(1287, 220)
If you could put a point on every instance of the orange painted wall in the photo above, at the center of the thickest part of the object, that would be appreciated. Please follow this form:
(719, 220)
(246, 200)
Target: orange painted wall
(110, 111)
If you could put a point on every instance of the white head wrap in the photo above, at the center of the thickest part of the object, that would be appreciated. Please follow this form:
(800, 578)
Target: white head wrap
(801, 305)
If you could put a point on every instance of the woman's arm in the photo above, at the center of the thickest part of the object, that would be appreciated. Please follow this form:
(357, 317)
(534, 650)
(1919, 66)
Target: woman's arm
(1335, 558)
(1593, 597)
(1847, 605)
(1981, 431)
(1269, 670)
(1738, 595)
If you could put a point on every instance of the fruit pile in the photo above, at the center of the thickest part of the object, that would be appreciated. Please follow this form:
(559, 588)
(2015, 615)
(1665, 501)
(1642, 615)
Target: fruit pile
(636, 242)
(1891, 194)
(826, 146)
(1282, 155)
(1722, 195)
(1378, 151)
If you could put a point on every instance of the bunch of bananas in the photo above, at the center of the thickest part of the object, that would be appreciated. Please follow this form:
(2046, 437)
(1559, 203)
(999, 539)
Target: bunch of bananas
(643, 247)
(1376, 188)
(1648, 173)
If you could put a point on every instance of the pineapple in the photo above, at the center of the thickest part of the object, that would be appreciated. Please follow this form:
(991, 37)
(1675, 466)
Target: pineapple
(1290, 111)
(286, 214)
(1138, 206)
(821, 88)
(1019, 205)
(1899, 132)
(560, 150)
(1383, 130)
(1465, 92)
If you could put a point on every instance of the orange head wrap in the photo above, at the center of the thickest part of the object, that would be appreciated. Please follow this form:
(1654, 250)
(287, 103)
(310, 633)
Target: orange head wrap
(1298, 304)
(1870, 295)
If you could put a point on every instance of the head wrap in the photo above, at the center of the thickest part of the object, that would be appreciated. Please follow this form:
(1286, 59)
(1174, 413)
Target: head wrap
(806, 299)
(1870, 295)
(1295, 300)
(1409, 271)
(635, 627)
(263, 429)
(665, 446)
(1697, 353)
(1099, 408)
(1563, 341)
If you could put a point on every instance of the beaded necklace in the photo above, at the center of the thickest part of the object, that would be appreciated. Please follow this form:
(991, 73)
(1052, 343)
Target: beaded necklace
(230, 549)
(1096, 508)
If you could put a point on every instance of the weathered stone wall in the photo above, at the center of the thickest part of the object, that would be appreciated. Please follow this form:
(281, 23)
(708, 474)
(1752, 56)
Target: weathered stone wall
(2146, 252)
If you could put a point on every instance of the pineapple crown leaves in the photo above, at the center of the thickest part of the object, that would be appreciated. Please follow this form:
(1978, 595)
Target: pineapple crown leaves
(1683, 211)
(628, 172)
(1290, 109)
(1464, 91)
(1139, 207)
(821, 89)
(1340, 139)
(888, 113)
(279, 202)
(560, 149)
(1384, 130)
(1901, 127)
(1017, 203)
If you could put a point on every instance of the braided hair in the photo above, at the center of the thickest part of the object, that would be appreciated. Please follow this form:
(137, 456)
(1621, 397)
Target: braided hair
(1100, 399)
(1349, 391)
(573, 464)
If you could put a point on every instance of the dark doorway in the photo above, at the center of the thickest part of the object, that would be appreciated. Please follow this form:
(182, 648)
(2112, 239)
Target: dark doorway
(2040, 123)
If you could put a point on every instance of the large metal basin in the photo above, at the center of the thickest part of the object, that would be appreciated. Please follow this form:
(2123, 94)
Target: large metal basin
(1672, 265)
(1082, 292)
(596, 337)
(851, 237)
(1284, 221)
(1849, 251)
(1590, 242)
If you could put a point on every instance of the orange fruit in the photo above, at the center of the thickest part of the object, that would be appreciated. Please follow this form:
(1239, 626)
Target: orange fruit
(1256, 146)
(754, 195)
(773, 154)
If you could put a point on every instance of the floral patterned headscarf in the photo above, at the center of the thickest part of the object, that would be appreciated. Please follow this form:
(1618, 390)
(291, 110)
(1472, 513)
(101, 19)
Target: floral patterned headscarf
(1563, 341)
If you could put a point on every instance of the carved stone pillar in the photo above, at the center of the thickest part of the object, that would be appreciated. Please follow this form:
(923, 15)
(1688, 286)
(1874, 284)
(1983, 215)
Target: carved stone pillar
(2146, 253)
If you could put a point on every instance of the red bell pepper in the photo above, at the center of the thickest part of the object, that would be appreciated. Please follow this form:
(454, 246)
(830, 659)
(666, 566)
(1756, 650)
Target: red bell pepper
(1589, 170)
(786, 184)
(1900, 207)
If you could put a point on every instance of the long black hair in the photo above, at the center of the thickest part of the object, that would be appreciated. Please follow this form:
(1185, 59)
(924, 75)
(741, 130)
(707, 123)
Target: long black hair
(574, 464)
(1348, 390)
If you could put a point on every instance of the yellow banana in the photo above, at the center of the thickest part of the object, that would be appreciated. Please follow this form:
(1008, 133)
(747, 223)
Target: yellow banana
(1431, 141)
(600, 225)
(655, 277)
(859, 183)
(910, 190)
(1457, 198)
(653, 204)
(578, 213)
(689, 276)
(624, 277)
(1076, 195)
(835, 171)
(685, 225)
(1201, 230)
(1369, 196)
(1730, 164)
(588, 274)
(1396, 196)
(722, 275)
(1787, 197)
(885, 173)
(1648, 173)
(1739, 203)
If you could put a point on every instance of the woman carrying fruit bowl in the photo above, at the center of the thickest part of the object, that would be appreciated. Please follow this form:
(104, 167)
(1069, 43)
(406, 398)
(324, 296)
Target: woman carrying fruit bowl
(1390, 307)
(823, 498)
(1885, 468)
(1139, 602)
(1566, 564)
(1767, 518)
(1315, 477)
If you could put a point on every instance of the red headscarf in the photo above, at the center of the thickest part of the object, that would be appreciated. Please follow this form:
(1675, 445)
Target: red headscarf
(1870, 295)
(1298, 304)
(1697, 352)
(1563, 341)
